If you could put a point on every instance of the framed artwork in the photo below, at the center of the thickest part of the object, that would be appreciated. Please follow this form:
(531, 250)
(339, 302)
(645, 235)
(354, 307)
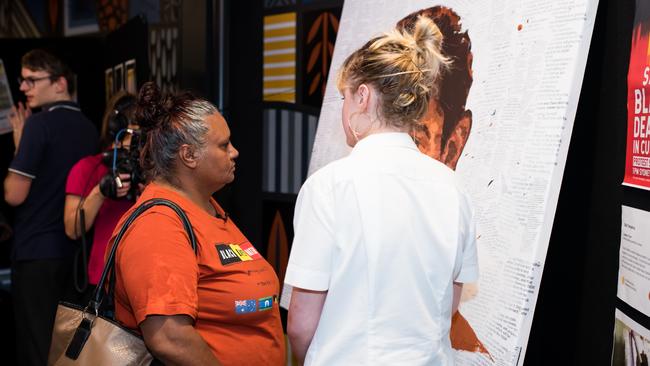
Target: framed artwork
(131, 80)
(79, 17)
(118, 78)
(108, 83)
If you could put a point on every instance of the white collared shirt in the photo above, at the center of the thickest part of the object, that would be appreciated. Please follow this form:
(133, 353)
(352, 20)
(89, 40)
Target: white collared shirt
(386, 231)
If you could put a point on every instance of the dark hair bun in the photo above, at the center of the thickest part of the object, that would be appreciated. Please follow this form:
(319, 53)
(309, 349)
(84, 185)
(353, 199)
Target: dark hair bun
(150, 106)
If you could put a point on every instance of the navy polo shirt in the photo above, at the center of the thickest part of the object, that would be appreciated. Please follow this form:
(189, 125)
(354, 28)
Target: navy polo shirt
(52, 142)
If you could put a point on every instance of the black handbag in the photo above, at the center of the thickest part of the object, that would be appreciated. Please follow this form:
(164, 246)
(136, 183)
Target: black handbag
(90, 335)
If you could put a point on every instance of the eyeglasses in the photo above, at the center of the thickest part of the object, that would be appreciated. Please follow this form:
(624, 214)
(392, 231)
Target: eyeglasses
(30, 81)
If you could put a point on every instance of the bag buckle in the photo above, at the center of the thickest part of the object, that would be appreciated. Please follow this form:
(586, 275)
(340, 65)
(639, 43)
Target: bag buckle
(82, 333)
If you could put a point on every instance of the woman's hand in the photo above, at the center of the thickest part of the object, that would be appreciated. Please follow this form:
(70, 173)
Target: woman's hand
(126, 184)
(17, 118)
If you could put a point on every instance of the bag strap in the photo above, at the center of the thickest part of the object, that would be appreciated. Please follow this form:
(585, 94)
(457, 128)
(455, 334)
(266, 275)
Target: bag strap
(109, 267)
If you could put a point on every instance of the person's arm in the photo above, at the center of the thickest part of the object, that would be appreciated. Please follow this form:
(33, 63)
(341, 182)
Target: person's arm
(71, 217)
(16, 188)
(304, 313)
(25, 165)
(458, 290)
(91, 206)
(174, 341)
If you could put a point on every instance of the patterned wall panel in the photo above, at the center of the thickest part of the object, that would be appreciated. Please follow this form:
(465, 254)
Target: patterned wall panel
(278, 229)
(280, 58)
(277, 249)
(164, 49)
(165, 46)
(288, 141)
(318, 38)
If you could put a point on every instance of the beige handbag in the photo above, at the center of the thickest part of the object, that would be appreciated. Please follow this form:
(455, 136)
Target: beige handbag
(107, 342)
(90, 335)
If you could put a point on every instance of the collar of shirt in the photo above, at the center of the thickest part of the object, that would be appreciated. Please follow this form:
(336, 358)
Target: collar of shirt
(385, 140)
(62, 104)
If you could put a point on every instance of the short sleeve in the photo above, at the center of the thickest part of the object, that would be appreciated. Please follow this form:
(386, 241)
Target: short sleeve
(467, 243)
(313, 244)
(31, 149)
(157, 268)
(83, 176)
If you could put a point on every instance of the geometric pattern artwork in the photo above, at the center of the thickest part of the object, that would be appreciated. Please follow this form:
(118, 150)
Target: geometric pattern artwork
(323, 48)
(280, 58)
(277, 248)
(165, 45)
(318, 43)
(288, 139)
(164, 57)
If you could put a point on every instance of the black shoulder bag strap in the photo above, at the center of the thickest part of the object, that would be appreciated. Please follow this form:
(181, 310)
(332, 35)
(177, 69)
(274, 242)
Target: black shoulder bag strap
(109, 267)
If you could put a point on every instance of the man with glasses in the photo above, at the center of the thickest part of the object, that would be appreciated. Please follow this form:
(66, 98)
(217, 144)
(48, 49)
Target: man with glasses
(47, 145)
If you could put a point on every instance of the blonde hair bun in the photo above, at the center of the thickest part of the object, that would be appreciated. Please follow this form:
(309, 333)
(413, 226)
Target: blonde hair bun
(403, 66)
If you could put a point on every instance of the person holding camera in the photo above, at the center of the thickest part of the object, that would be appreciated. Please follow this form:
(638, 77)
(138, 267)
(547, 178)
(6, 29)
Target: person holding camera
(92, 188)
(218, 305)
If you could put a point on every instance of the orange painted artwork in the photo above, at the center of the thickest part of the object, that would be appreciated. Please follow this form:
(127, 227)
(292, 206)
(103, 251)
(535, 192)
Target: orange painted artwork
(277, 250)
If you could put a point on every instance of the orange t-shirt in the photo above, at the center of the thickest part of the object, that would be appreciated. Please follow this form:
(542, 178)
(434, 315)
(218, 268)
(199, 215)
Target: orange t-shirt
(228, 288)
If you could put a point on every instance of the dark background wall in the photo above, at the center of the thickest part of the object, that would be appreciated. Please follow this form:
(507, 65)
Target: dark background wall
(243, 110)
(574, 317)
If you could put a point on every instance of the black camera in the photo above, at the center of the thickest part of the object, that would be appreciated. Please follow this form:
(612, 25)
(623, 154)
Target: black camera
(123, 160)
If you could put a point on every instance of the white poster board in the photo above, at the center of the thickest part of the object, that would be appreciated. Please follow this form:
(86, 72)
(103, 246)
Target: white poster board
(529, 59)
(634, 259)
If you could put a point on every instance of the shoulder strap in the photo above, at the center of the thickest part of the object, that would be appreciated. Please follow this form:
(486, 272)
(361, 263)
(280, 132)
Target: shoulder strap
(109, 267)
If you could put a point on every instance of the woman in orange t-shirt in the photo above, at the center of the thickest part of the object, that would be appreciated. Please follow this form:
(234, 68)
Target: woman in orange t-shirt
(218, 306)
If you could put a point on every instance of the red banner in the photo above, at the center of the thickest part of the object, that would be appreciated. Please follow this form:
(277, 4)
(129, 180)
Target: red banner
(637, 157)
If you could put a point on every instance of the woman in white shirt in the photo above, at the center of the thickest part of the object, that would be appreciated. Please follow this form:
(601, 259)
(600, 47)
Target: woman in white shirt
(384, 238)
